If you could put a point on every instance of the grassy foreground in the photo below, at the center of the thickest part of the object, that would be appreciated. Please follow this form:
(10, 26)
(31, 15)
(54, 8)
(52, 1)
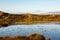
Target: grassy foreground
(30, 37)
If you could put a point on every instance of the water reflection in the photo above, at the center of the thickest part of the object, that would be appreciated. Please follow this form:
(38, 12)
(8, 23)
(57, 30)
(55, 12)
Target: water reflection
(48, 30)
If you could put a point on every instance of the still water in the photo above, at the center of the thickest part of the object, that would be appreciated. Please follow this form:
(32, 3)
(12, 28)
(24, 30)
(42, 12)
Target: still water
(48, 30)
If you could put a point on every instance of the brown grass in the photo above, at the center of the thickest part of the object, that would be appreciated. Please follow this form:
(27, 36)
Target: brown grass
(30, 37)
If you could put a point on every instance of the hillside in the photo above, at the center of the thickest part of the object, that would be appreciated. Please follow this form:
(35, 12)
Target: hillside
(14, 19)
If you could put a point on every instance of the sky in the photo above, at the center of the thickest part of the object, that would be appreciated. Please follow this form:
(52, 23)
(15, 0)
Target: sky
(16, 6)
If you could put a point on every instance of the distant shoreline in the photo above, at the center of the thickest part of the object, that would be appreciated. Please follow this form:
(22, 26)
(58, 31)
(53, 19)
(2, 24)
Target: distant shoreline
(15, 19)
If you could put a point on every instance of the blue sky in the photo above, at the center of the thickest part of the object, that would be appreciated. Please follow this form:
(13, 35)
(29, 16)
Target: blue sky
(29, 5)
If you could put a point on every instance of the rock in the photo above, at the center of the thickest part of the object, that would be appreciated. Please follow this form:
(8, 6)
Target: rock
(4, 25)
(36, 37)
(48, 38)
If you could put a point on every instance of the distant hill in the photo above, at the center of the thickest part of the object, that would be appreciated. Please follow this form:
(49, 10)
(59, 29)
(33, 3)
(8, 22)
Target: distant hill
(57, 12)
(14, 19)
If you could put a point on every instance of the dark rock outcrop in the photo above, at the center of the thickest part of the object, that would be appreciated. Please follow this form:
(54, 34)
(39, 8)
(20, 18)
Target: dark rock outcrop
(36, 37)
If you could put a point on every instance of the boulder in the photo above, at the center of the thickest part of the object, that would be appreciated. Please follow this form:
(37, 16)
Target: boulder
(36, 37)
